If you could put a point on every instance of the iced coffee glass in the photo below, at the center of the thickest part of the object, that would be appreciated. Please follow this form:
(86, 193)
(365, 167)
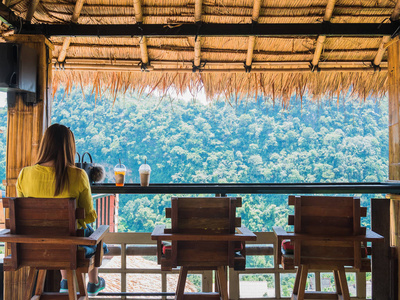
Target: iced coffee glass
(144, 172)
(119, 172)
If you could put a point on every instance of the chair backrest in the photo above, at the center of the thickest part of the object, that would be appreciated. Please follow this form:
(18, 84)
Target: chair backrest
(327, 218)
(46, 217)
(203, 216)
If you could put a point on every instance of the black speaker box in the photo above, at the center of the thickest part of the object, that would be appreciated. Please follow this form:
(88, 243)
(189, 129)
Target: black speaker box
(18, 68)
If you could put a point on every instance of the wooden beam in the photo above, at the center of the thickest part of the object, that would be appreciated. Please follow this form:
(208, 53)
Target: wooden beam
(396, 12)
(252, 39)
(31, 10)
(77, 11)
(63, 52)
(208, 29)
(321, 39)
(381, 50)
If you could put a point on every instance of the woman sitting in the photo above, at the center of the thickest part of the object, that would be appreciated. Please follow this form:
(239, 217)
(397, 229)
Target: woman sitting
(55, 176)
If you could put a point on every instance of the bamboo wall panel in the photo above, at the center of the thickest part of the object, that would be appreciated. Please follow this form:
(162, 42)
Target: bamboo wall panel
(394, 140)
(25, 126)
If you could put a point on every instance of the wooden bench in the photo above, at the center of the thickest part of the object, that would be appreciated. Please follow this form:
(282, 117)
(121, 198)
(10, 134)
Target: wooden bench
(205, 235)
(42, 235)
(327, 236)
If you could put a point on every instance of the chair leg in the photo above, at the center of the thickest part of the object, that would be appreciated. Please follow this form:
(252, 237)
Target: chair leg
(71, 285)
(222, 283)
(31, 283)
(181, 283)
(40, 282)
(80, 277)
(337, 282)
(296, 282)
(343, 284)
(303, 272)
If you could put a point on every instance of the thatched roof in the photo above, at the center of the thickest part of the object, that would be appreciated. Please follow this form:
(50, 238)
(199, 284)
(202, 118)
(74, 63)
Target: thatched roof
(281, 65)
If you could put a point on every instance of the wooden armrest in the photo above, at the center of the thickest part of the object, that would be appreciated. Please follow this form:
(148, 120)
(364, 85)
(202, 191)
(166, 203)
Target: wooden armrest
(99, 233)
(201, 237)
(32, 239)
(158, 232)
(281, 233)
(245, 232)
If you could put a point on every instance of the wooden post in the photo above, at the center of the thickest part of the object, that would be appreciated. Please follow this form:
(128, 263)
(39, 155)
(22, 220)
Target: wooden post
(382, 285)
(394, 140)
(25, 126)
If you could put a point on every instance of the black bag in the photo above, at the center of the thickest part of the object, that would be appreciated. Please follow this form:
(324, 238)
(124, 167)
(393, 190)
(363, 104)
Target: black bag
(79, 163)
(87, 166)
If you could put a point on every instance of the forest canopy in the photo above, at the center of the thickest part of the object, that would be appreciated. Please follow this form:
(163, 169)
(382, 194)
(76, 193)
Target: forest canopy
(186, 141)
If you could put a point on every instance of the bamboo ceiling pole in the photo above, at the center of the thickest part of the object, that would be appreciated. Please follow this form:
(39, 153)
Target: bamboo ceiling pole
(198, 8)
(252, 39)
(396, 12)
(144, 53)
(126, 68)
(197, 52)
(77, 10)
(382, 47)
(138, 11)
(63, 52)
(74, 19)
(187, 63)
(31, 10)
(381, 51)
(321, 39)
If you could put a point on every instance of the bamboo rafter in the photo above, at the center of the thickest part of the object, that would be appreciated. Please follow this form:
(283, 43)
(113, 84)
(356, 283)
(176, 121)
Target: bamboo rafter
(74, 19)
(396, 12)
(63, 52)
(142, 40)
(321, 39)
(381, 51)
(252, 39)
(77, 10)
(197, 42)
(31, 11)
(382, 47)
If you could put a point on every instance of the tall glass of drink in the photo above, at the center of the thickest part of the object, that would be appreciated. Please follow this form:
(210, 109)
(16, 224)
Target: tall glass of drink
(119, 172)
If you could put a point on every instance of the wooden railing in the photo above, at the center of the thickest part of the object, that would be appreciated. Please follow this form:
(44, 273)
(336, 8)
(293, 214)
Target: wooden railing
(126, 246)
(106, 206)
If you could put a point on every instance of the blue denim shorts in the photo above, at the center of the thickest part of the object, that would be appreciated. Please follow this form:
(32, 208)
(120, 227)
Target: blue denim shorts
(90, 250)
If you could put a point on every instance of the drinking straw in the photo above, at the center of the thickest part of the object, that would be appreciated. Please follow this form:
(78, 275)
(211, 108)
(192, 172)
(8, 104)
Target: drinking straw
(120, 163)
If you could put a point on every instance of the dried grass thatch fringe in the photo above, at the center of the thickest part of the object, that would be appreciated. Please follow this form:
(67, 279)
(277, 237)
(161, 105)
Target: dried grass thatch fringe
(233, 87)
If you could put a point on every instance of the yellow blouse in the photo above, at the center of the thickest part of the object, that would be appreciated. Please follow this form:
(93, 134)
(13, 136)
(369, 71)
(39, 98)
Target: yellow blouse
(39, 182)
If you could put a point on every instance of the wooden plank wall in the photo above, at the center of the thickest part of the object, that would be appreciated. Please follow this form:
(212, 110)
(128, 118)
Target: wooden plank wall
(394, 139)
(25, 127)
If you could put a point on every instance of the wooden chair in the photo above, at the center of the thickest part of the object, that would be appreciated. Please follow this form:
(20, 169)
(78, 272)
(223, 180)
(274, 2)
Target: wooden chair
(43, 235)
(205, 235)
(327, 236)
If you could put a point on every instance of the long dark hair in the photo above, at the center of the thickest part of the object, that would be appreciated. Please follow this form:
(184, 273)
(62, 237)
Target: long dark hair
(58, 145)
